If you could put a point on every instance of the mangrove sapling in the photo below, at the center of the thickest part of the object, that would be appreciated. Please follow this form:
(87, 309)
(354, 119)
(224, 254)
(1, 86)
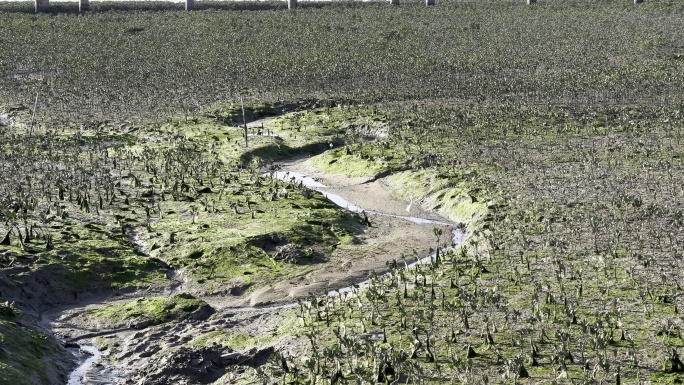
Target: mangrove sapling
(487, 336)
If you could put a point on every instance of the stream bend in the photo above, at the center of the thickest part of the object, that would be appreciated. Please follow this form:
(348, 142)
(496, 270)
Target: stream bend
(76, 377)
(304, 180)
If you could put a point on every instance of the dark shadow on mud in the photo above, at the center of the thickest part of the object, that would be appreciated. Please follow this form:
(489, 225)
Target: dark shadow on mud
(277, 152)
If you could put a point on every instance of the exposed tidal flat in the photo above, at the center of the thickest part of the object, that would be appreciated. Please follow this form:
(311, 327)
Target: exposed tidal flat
(139, 207)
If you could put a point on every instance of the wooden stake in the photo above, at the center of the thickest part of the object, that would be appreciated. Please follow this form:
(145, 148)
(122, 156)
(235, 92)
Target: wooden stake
(244, 120)
(33, 115)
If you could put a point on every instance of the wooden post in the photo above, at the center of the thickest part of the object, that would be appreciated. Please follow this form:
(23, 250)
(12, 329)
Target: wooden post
(189, 5)
(395, 2)
(291, 4)
(530, 2)
(638, 1)
(244, 120)
(429, 2)
(42, 5)
(83, 5)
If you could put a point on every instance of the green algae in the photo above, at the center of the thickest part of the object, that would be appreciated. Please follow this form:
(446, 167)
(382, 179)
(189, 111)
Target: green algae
(153, 310)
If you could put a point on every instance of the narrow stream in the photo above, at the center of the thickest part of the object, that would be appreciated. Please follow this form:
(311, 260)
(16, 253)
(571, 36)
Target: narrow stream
(295, 177)
(342, 202)
(76, 377)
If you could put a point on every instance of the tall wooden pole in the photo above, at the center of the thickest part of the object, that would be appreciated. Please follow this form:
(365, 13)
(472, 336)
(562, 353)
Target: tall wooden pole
(244, 120)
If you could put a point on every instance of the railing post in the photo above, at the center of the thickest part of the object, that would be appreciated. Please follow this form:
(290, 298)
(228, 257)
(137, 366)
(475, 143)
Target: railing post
(83, 5)
(42, 5)
(291, 4)
(429, 2)
(638, 1)
(530, 2)
(189, 5)
(394, 2)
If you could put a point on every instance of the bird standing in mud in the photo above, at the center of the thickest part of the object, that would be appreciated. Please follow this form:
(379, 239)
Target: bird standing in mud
(408, 208)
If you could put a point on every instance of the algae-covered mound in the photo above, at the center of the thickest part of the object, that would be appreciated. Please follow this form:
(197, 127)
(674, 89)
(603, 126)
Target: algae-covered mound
(144, 312)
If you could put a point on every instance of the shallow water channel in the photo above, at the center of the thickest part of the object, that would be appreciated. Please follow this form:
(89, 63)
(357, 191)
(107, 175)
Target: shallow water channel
(77, 376)
(89, 355)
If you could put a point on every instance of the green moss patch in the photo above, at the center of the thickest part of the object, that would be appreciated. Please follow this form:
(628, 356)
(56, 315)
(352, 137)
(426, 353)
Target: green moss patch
(455, 200)
(236, 231)
(84, 257)
(667, 378)
(220, 337)
(153, 311)
(351, 165)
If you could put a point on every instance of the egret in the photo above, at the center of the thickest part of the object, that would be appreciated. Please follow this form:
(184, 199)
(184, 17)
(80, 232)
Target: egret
(408, 208)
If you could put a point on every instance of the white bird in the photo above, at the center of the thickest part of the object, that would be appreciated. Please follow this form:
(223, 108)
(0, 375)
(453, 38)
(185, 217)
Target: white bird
(408, 208)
